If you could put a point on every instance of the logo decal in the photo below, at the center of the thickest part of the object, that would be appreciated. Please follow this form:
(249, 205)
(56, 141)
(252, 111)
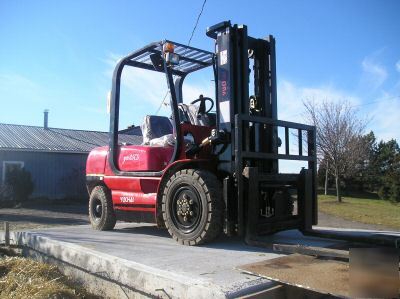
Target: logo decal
(224, 88)
(128, 198)
(131, 157)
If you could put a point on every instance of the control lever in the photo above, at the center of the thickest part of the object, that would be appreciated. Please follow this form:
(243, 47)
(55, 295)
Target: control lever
(215, 138)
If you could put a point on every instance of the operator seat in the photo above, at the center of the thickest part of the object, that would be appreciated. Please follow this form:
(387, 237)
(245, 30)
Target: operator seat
(154, 127)
(190, 113)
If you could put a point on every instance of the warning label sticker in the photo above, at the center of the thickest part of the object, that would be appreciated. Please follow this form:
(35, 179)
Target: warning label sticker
(223, 57)
(225, 111)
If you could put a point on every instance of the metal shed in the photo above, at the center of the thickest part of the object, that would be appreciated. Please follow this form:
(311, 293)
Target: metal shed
(56, 158)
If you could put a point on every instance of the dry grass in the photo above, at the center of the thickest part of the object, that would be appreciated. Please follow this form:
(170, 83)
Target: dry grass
(25, 278)
(365, 210)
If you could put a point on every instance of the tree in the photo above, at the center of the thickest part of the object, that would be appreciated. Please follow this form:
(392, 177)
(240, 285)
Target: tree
(339, 138)
(387, 165)
(323, 175)
(367, 177)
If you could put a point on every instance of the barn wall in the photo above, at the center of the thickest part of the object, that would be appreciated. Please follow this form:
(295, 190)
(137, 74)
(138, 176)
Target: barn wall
(56, 175)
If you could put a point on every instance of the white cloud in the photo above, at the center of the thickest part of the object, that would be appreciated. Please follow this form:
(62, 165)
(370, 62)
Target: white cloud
(398, 66)
(384, 110)
(193, 91)
(292, 96)
(385, 115)
(374, 74)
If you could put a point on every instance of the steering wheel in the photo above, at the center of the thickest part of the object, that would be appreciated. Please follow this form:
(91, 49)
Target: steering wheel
(202, 106)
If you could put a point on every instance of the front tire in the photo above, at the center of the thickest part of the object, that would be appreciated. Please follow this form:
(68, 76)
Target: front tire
(192, 206)
(101, 212)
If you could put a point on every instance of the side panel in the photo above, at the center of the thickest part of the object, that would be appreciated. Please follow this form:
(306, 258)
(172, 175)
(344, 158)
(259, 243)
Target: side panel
(143, 158)
(134, 201)
(132, 184)
(134, 194)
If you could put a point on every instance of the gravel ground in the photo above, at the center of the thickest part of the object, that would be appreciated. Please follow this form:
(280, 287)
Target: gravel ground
(46, 215)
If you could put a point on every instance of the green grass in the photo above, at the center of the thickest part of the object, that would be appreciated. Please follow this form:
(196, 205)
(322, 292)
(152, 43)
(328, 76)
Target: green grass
(361, 209)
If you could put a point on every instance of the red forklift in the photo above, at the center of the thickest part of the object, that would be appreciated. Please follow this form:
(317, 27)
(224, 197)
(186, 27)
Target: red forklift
(199, 173)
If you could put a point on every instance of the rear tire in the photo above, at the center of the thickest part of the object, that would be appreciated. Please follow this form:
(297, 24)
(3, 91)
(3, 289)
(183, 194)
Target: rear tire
(101, 212)
(192, 206)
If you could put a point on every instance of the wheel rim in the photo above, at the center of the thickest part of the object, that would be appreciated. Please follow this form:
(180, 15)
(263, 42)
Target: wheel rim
(97, 209)
(186, 209)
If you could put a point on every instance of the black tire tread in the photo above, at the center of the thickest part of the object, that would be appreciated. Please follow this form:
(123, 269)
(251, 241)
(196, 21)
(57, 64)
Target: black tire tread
(212, 190)
(109, 220)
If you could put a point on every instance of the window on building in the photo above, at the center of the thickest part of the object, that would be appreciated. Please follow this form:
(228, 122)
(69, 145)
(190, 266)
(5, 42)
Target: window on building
(9, 166)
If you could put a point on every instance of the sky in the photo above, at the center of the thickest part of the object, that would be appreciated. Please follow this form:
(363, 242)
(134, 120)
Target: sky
(60, 55)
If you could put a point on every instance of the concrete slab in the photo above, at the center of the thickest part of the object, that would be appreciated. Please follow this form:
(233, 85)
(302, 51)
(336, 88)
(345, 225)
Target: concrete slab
(147, 260)
(137, 260)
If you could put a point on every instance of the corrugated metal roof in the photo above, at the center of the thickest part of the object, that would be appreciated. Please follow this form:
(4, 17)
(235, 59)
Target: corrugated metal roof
(32, 138)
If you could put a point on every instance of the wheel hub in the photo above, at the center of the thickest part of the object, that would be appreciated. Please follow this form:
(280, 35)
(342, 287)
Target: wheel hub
(184, 207)
(97, 209)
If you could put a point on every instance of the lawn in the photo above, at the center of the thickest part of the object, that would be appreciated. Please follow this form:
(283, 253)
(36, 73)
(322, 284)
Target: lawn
(366, 210)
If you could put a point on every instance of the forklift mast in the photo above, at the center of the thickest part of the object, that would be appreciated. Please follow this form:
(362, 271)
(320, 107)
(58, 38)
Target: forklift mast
(253, 185)
(234, 50)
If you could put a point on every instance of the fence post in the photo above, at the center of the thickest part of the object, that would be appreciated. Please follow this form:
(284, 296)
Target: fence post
(6, 233)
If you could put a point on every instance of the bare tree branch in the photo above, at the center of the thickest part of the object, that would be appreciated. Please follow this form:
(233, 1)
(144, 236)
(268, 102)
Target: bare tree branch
(339, 137)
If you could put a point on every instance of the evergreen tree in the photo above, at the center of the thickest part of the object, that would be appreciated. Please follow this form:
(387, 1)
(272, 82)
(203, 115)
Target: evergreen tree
(387, 165)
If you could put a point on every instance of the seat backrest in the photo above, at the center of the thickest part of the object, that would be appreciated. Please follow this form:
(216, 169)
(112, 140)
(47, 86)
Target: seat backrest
(190, 113)
(155, 126)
